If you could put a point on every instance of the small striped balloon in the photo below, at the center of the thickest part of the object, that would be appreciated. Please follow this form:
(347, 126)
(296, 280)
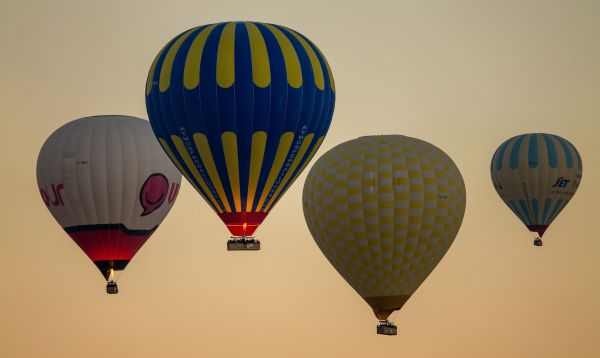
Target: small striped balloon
(240, 108)
(536, 175)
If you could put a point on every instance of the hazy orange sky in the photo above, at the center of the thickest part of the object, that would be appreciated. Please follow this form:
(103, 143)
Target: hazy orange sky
(463, 75)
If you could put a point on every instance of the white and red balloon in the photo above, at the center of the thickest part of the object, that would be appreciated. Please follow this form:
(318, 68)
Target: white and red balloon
(108, 183)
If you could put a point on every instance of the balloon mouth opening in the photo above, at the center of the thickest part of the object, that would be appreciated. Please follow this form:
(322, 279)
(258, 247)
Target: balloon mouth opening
(242, 230)
(382, 315)
(108, 267)
(384, 306)
(540, 229)
(242, 223)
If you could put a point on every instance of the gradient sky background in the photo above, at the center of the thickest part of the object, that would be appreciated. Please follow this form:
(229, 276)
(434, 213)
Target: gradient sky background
(463, 75)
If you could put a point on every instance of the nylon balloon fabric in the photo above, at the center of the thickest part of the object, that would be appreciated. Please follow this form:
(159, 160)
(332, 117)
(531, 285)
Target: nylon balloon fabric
(536, 175)
(384, 210)
(240, 108)
(108, 184)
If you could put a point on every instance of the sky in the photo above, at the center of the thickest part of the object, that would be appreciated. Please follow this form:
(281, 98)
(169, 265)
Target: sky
(463, 75)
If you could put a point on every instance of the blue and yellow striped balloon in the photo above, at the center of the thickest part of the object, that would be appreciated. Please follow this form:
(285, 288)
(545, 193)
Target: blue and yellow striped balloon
(536, 175)
(240, 108)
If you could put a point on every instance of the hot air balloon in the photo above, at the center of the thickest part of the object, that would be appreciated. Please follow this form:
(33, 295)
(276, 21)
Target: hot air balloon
(384, 210)
(536, 175)
(109, 185)
(240, 108)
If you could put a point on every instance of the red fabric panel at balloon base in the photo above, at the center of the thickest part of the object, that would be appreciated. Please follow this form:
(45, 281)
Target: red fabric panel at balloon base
(108, 241)
(243, 223)
(540, 229)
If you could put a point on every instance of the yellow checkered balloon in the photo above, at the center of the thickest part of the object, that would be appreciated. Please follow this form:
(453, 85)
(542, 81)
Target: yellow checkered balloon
(384, 210)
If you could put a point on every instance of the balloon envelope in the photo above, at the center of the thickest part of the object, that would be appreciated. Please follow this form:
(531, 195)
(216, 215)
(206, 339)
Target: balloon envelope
(384, 210)
(108, 184)
(536, 175)
(240, 108)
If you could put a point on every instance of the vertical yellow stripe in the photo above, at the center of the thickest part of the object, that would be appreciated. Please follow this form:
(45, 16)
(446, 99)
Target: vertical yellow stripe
(152, 69)
(175, 161)
(191, 71)
(311, 155)
(314, 61)
(230, 149)
(285, 142)
(192, 167)
(290, 57)
(331, 81)
(308, 159)
(207, 159)
(303, 148)
(259, 142)
(261, 70)
(167, 66)
(226, 57)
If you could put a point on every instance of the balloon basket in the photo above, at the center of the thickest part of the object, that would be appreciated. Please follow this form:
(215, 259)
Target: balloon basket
(112, 288)
(538, 242)
(387, 328)
(243, 244)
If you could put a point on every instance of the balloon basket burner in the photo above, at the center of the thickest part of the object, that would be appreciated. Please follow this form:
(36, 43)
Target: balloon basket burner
(387, 328)
(112, 288)
(243, 244)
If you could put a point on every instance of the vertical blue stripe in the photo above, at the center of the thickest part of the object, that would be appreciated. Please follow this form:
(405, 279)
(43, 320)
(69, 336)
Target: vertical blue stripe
(515, 152)
(227, 97)
(152, 99)
(500, 154)
(555, 211)
(536, 211)
(566, 149)
(309, 87)
(323, 114)
(514, 208)
(279, 104)
(294, 105)
(552, 159)
(264, 98)
(533, 151)
(300, 122)
(160, 105)
(193, 120)
(212, 98)
(576, 154)
(525, 209)
(547, 205)
(185, 115)
(244, 96)
(321, 117)
(262, 112)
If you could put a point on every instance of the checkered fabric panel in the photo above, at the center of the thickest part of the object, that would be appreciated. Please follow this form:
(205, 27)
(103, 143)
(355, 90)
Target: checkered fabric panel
(384, 210)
